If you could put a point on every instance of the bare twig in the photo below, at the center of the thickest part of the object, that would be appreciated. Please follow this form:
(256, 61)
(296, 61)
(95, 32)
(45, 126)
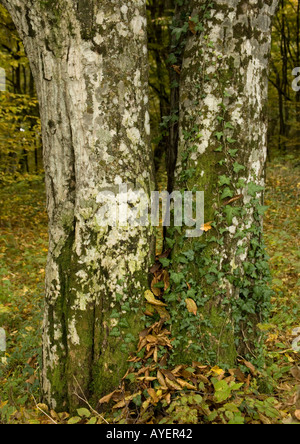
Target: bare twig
(41, 410)
(83, 398)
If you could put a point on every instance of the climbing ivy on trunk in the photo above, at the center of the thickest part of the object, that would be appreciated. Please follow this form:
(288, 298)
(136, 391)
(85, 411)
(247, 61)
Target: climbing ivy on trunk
(222, 151)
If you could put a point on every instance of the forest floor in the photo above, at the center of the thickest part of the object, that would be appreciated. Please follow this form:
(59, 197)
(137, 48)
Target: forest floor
(23, 250)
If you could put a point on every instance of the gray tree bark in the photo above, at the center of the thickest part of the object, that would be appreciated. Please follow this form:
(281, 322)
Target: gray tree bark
(89, 61)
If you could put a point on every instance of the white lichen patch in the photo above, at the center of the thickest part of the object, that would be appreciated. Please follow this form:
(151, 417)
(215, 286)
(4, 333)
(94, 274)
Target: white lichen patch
(134, 136)
(100, 18)
(124, 9)
(72, 333)
(147, 123)
(138, 24)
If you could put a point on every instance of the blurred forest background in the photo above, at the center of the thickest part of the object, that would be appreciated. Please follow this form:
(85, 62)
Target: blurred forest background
(23, 220)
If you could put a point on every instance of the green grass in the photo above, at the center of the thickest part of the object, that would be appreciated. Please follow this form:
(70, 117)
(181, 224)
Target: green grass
(281, 227)
(23, 251)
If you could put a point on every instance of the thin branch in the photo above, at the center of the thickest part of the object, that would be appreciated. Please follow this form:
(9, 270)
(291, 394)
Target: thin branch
(83, 398)
(41, 410)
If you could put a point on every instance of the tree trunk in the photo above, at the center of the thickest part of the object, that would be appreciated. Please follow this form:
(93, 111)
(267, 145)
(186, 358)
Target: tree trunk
(222, 151)
(89, 61)
(176, 50)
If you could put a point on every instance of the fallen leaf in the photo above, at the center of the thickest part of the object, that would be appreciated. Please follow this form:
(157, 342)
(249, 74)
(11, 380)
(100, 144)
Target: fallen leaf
(43, 407)
(264, 419)
(296, 373)
(148, 313)
(161, 380)
(152, 339)
(250, 367)
(168, 398)
(144, 332)
(156, 291)
(120, 404)
(173, 385)
(192, 26)
(153, 395)
(31, 379)
(32, 361)
(107, 398)
(233, 199)
(146, 404)
(155, 267)
(185, 384)
(152, 299)
(177, 69)
(147, 378)
(238, 374)
(191, 306)
(217, 370)
(166, 279)
(206, 227)
(163, 313)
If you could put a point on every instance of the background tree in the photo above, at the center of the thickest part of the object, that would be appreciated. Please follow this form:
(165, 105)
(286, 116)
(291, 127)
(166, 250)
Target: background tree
(284, 102)
(20, 147)
(90, 66)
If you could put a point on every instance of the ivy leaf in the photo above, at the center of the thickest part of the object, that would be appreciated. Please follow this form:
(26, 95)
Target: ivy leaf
(227, 193)
(190, 255)
(229, 214)
(261, 209)
(164, 261)
(199, 27)
(253, 189)
(177, 277)
(177, 32)
(174, 84)
(230, 140)
(170, 242)
(233, 152)
(219, 135)
(182, 259)
(191, 293)
(224, 180)
(172, 59)
(238, 167)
